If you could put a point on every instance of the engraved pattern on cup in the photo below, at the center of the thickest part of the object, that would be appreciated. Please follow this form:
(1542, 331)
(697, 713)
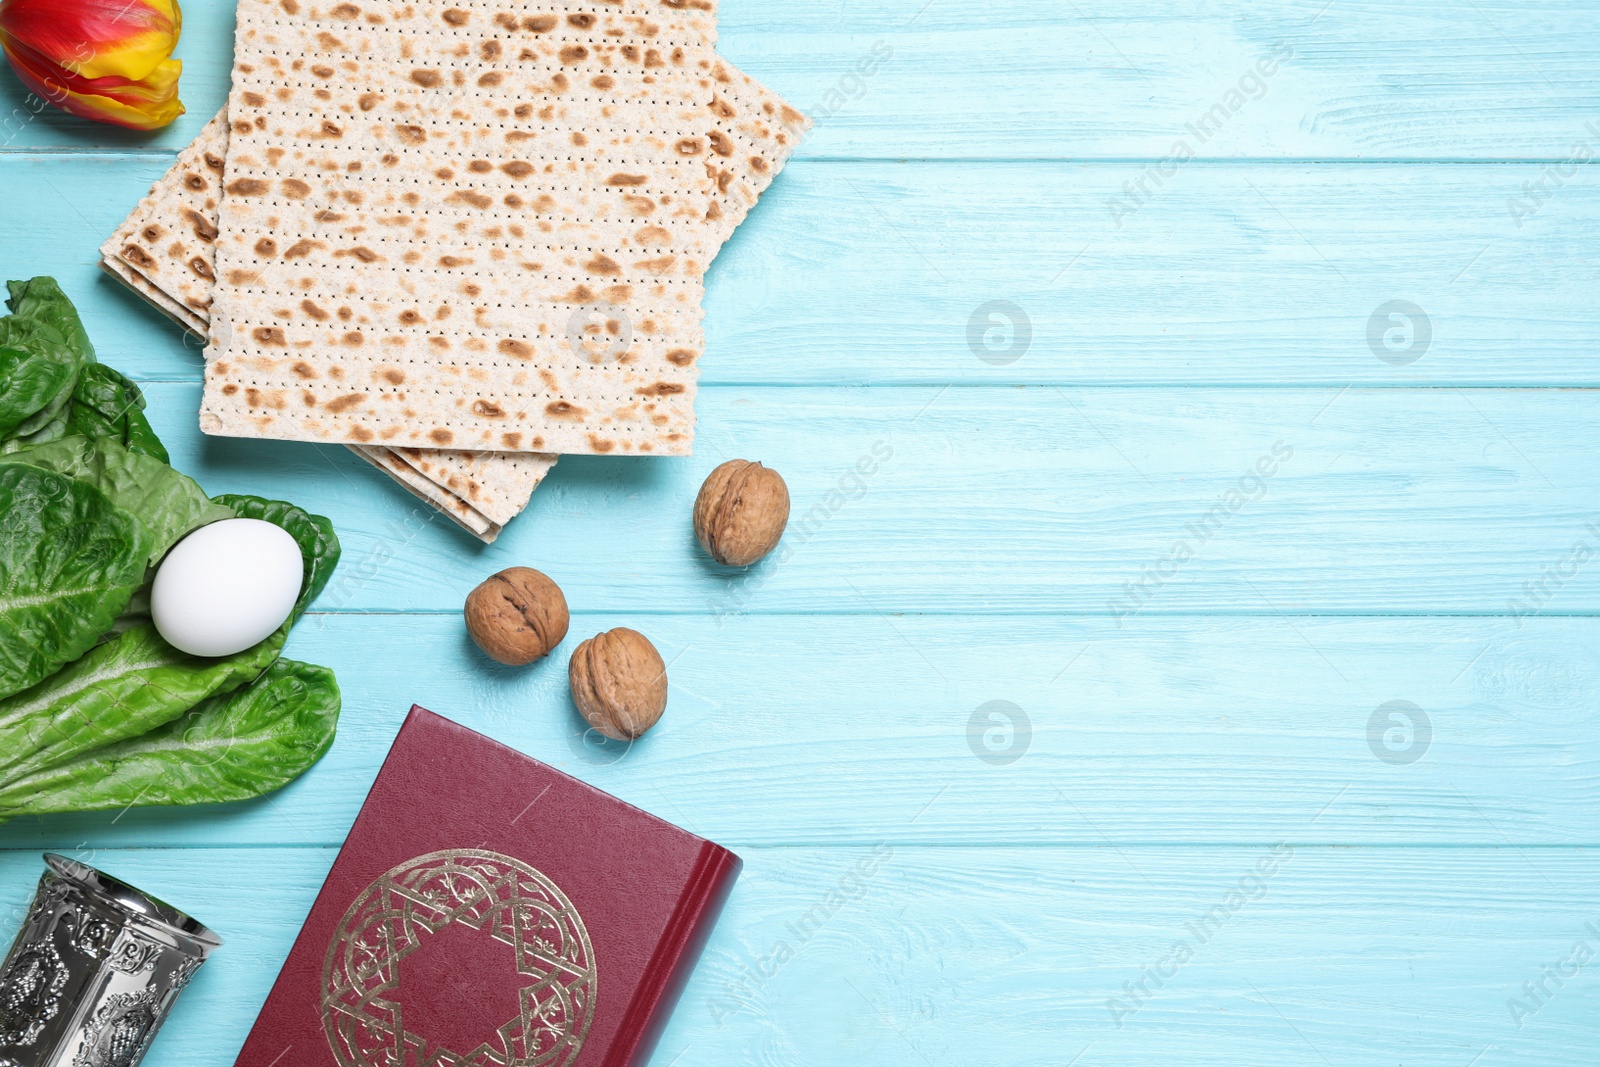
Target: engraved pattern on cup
(94, 971)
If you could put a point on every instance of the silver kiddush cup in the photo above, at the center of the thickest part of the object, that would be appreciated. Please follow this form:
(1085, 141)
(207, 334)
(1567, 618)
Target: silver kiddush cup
(94, 971)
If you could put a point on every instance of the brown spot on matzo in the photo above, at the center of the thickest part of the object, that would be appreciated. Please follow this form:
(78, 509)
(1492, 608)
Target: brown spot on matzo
(314, 311)
(428, 79)
(294, 188)
(152, 233)
(441, 436)
(688, 146)
(456, 17)
(248, 187)
(454, 261)
(517, 168)
(410, 317)
(229, 389)
(467, 196)
(269, 335)
(290, 6)
(581, 22)
(661, 389)
(487, 410)
(682, 357)
(519, 349)
(658, 265)
(243, 277)
(490, 80)
(602, 264)
(345, 403)
(489, 51)
(720, 144)
(538, 23)
(600, 444)
(201, 268)
(253, 99)
(359, 432)
(361, 252)
(302, 248)
(322, 71)
(560, 409)
(203, 227)
(512, 441)
(651, 236)
(345, 11)
(394, 376)
(368, 101)
(304, 370)
(603, 81)
(138, 256)
(411, 134)
(353, 339)
(266, 247)
(627, 179)
(480, 166)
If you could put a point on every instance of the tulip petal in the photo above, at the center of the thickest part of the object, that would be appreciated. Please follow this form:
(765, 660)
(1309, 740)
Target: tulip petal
(95, 38)
(143, 105)
(108, 60)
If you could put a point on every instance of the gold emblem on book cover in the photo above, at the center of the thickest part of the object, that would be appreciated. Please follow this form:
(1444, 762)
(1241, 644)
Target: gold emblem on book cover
(500, 897)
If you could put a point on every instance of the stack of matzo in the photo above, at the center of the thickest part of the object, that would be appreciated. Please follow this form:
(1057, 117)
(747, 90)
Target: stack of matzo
(460, 238)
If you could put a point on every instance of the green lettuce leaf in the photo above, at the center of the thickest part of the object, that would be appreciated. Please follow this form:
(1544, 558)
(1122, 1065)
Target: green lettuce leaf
(319, 545)
(167, 503)
(106, 404)
(121, 689)
(41, 304)
(229, 747)
(43, 349)
(69, 561)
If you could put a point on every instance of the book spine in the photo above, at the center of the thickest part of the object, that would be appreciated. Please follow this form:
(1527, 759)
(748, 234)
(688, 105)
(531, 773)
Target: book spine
(675, 957)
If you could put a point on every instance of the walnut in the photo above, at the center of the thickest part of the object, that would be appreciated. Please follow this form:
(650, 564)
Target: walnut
(517, 616)
(619, 683)
(741, 512)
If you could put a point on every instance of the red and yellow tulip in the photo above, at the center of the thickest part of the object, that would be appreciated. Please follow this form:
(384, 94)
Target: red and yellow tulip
(107, 60)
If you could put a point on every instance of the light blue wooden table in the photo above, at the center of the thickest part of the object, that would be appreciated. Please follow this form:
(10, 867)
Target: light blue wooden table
(1194, 465)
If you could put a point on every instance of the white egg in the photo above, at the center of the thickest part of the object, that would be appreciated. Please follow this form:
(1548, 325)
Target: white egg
(226, 586)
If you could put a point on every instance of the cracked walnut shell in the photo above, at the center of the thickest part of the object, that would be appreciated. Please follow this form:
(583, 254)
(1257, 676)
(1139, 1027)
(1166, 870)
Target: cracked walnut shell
(517, 616)
(741, 512)
(619, 683)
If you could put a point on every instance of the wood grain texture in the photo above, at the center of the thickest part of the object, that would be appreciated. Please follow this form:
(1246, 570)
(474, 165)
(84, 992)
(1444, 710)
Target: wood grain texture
(855, 729)
(908, 956)
(1020, 500)
(863, 274)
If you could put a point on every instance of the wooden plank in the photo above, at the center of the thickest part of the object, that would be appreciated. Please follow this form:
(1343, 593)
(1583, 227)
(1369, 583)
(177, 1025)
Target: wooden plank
(1007, 501)
(887, 274)
(992, 730)
(905, 956)
(1099, 79)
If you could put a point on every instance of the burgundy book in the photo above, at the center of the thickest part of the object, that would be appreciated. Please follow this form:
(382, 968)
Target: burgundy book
(490, 911)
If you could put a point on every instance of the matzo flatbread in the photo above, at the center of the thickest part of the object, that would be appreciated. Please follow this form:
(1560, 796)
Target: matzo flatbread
(762, 132)
(469, 518)
(464, 189)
